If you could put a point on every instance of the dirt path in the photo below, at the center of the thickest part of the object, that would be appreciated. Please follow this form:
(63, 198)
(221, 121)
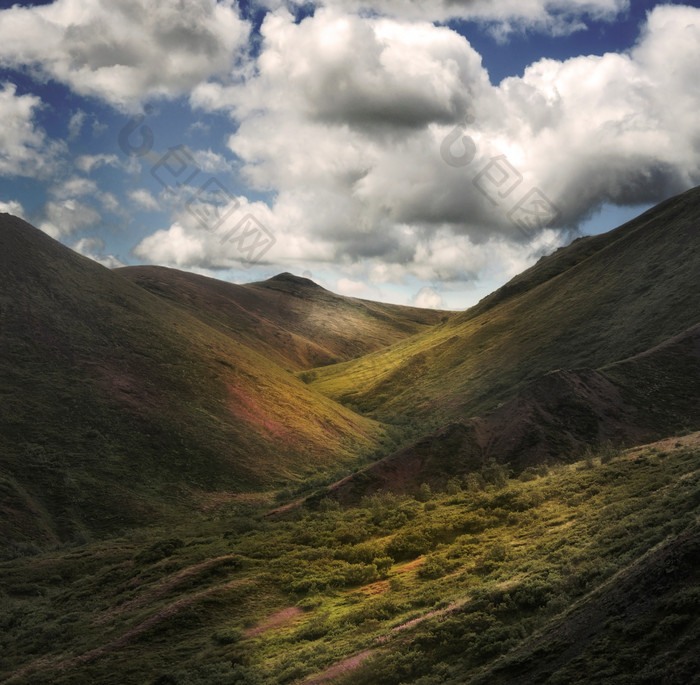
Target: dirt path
(353, 662)
(284, 508)
(342, 667)
(127, 637)
(280, 618)
(160, 590)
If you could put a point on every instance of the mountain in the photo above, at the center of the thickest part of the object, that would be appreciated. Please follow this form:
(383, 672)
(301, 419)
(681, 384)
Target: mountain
(289, 319)
(552, 419)
(118, 407)
(600, 300)
(146, 414)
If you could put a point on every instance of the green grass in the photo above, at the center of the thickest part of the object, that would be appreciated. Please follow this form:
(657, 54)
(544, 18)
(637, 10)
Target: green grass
(118, 407)
(596, 302)
(498, 565)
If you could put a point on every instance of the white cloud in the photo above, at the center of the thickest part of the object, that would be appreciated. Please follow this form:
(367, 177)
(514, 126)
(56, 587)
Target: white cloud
(93, 248)
(428, 298)
(75, 186)
(12, 207)
(24, 148)
(557, 17)
(142, 199)
(236, 235)
(352, 288)
(345, 117)
(66, 217)
(75, 125)
(127, 50)
(86, 163)
(211, 162)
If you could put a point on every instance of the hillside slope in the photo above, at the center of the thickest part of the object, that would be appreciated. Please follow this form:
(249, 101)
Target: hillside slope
(600, 300)
(116, 407)
(289, 319)
(552, 419)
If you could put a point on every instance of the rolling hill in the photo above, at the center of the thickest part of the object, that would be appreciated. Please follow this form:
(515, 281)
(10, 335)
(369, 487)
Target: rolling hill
(289, 319)
(600, 300)
(552, 419)
(118, 407)
(145, 414)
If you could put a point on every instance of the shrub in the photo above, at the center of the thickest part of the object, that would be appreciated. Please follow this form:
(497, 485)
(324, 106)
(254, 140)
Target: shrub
(434, 567)
(608, 452)
(383, 565)
(308, 376)
(424, 493)
(362, 553)
(495, 474)
(315, 629)
(359, 574)
(408, 545)
(159, 550)
(227, 636)
(453, 486)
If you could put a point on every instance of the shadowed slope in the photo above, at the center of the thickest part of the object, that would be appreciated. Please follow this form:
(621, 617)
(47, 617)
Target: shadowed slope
(552, 419)
(597, 301)
(115, 405)
(289, 319)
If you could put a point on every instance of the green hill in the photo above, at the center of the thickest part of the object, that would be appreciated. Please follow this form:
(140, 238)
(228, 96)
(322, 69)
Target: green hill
(584, 573)
(552, 419)
(289, 319)
(117, 407)
(145, 415)
(600, 300)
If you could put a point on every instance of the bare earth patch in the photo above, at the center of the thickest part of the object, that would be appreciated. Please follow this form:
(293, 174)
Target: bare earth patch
(342, 667)
(280, 618)
(160, 590)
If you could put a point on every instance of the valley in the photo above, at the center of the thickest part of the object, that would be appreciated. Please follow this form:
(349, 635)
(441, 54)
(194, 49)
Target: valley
(210, 483)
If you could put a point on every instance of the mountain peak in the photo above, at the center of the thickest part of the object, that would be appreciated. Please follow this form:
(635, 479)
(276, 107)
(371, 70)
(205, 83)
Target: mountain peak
(286, 277)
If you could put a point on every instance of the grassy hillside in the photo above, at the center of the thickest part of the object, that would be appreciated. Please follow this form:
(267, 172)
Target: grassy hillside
(581, 573)
(289, 319)
(552, 419)
(600, 300)
(117, 407)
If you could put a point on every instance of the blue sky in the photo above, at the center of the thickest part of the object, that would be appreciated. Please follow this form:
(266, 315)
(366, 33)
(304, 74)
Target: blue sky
(330, 139)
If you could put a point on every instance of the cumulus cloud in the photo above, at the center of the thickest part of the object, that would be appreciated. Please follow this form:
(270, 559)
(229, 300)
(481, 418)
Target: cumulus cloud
(428, 298)
(75, 125)
(87, 163)
(319, 127)
(143, 200)
(124, 51)
(67, 216)
(557, 17)
(75, 186)
(25, 150)
(207, 236)
(12, 207)
(93, 248)
(355, 125)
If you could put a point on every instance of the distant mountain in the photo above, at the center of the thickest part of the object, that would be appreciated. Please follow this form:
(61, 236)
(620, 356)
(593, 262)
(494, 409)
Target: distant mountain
(118, 407)
(291, 320)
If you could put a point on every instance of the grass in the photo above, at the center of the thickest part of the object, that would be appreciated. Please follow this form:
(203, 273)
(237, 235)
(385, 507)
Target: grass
(472, 575)
(598, 301)
(118, 407)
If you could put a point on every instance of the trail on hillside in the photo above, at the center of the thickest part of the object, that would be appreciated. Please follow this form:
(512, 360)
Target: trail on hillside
(280, 618)
(123, 640)
(160, 590)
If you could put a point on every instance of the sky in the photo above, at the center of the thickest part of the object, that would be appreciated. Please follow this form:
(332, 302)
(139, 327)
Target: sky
(409, 151)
